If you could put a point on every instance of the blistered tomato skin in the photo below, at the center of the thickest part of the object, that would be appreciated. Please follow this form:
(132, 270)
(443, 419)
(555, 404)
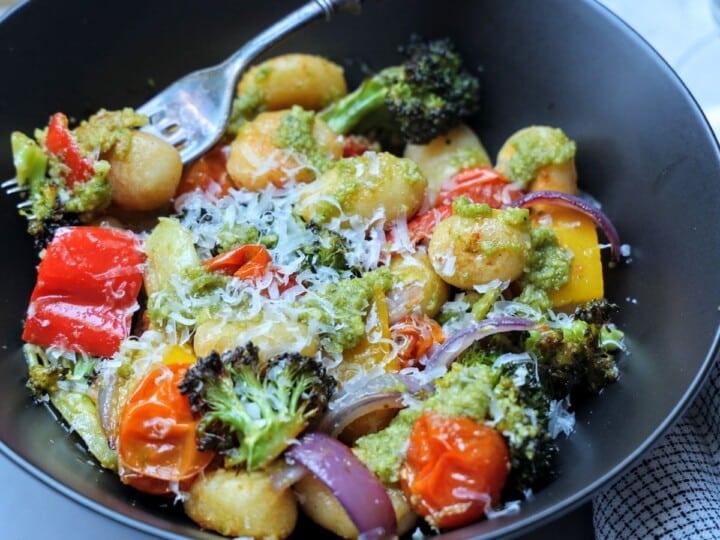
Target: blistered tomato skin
(86, 291)
(455, 469)
(156, 444)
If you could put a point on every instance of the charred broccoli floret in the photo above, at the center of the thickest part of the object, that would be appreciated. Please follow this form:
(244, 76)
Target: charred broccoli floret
(422, 98)
(578, 357)
(520, 411)
(251, 409)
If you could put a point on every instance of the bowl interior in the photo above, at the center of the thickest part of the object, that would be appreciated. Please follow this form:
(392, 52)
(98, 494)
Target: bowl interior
(644, 150)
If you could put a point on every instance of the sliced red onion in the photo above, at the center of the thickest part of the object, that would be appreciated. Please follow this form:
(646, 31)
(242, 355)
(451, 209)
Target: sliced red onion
(358, 491)
(337, 420)
(459, 342)
(286, 476)
(571, 201)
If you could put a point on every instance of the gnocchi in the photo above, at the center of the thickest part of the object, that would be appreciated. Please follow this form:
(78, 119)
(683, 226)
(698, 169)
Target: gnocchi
(147, 175)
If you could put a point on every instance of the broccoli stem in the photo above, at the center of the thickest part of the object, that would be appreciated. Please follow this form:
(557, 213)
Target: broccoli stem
(350, 110)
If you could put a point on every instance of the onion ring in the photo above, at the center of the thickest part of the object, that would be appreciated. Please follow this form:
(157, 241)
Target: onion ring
(459, 342)
(571, 201)
(358, 491)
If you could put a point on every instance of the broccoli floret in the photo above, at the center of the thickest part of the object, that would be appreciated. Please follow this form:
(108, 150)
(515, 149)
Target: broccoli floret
(250, 409)
(526, 425)
(327, 249)
(422, 98)
(519, 411)
(579, 357)
(47, 369)
(505, 396)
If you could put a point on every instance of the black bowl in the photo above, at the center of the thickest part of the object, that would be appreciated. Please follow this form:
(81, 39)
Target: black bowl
(644, 150)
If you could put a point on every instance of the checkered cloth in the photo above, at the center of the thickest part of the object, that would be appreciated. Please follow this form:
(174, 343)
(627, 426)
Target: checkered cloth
(675, 491)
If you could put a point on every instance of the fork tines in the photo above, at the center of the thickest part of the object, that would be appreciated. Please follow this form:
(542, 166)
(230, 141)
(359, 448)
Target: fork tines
(11, 186)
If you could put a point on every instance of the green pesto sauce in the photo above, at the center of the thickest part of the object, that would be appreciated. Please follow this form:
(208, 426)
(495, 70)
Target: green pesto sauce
(548, 268)
(467, 157)
(535, 148)
(464, 207)
(262, 73)
(234, 234)
(342, 307)
(515, 217)
(109, 130)
(296, 133)
(245, 107)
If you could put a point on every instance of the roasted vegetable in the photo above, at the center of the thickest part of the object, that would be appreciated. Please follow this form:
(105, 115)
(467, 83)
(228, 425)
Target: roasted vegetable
(578, 358)
(250, 410)
(65, 180)
(66, 380)
(422, 98)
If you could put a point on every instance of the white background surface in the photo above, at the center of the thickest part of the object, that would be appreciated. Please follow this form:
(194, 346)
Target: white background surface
(682, 31)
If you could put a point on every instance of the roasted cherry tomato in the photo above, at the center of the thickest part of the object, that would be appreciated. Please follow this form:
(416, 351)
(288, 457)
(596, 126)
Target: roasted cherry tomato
(414, 335)
(479, 184)
(454, 470)
(208, 174)
(156, 442)
(249, 262)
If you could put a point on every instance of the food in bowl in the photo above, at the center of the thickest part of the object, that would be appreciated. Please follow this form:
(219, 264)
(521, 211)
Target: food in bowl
(343, 308)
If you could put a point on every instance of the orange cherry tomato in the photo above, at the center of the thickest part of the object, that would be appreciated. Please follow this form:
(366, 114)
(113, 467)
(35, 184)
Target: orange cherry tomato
(455, 468)
(414, 335)
(249, 262)
(156, 443)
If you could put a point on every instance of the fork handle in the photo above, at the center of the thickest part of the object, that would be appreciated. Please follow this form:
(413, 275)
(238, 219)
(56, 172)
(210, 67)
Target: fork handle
(285, 26)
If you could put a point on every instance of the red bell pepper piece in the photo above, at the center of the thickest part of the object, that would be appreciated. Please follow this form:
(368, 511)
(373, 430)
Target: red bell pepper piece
(86, 291)
(60, 142)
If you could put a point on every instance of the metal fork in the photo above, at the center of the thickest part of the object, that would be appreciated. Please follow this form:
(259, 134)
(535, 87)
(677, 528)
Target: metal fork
(192, 113)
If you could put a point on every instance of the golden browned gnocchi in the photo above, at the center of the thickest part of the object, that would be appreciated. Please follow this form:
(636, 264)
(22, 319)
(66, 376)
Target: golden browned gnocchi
(241, 503)
(147, 175)
(279, 146)
(468, 251)
(539, 158)
(323, 508)
(363, 186)
(309, 81)
(460, 148)
(416, 286)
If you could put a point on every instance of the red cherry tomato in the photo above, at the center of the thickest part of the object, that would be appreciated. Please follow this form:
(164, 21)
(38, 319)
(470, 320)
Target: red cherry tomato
(454, 470)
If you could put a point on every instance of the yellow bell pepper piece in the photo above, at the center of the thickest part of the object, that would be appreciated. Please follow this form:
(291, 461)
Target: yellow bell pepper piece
(175, 354)
(577, 233)
(374, 348)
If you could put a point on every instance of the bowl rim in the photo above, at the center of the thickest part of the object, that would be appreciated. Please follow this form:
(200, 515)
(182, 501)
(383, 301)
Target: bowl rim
(536, 519)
